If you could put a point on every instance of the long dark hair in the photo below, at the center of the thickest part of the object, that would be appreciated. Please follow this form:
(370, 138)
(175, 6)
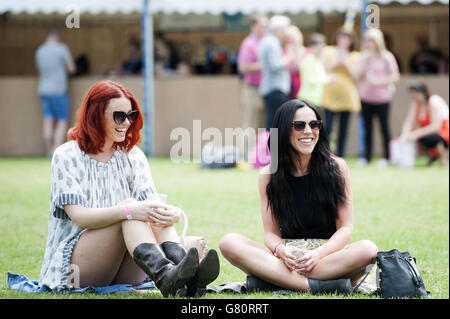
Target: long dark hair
(327, 191)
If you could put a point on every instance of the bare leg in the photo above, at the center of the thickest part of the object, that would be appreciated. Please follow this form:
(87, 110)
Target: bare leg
(47, 130)
(129, 272)
(443, 152)
(256, 259)
(101, 253)
(163, 234)
(136, 232)
(350, 262)
(59, 134)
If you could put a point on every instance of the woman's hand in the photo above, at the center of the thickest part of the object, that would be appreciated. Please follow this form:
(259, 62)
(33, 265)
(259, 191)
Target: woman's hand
(307, 262)
(164, 216)
(412, 137)
(287, 258)
(139, 209)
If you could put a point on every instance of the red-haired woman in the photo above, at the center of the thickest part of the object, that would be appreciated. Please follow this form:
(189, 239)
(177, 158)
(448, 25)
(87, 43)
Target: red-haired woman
(104, 227)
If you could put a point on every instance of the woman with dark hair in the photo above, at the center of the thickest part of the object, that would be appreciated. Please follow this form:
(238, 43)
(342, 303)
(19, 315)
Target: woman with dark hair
(106, 226)
(308, 198)
(427, 122)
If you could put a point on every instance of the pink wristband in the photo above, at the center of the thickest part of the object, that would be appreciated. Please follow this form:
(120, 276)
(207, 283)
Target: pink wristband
(276, 249)
(127, 213)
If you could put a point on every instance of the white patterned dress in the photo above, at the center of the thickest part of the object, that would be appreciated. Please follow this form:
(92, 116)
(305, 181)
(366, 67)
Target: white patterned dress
(77, 179)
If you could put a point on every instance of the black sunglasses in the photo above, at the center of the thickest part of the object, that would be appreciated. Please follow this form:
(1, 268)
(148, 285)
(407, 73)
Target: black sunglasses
(120, 116)
(314, 125)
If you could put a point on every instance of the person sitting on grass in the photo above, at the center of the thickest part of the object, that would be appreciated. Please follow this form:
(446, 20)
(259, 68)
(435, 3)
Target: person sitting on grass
(105, 228)
(307, 197)
(427, 122)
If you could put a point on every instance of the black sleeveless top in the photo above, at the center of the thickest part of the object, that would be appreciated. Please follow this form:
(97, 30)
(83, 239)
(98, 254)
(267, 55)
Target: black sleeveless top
(312, 225)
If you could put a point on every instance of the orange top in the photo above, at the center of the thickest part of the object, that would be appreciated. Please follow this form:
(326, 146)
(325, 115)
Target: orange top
(424, 119)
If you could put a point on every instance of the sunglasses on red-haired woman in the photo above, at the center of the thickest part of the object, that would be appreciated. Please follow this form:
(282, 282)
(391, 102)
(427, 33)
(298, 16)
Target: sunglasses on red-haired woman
(120, 116)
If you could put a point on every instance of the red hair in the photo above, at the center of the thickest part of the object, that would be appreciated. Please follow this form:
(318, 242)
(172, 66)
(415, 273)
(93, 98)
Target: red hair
(89, 129)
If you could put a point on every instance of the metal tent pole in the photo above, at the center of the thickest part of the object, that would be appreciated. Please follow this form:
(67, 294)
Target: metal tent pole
(147, 36)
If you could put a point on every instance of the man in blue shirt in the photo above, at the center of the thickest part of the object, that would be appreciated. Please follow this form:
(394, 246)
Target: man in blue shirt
(54, 61)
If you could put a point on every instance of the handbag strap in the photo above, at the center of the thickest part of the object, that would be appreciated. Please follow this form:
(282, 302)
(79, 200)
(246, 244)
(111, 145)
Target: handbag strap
(185, 228)
(361, 281)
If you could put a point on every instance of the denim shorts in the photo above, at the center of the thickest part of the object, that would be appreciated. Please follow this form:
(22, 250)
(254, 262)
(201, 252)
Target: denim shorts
(55, 106)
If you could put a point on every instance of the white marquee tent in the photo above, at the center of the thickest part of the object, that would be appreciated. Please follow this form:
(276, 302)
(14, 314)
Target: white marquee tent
(187, 6)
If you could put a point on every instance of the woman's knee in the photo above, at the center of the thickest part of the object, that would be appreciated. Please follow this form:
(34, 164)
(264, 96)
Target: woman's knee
(367, 252)
(229, 245)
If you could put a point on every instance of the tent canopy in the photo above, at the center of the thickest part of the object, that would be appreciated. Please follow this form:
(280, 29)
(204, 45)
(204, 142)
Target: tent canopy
(188, 6)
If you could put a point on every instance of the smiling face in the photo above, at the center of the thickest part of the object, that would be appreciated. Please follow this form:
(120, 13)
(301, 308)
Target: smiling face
(304, 141)
(116, 133)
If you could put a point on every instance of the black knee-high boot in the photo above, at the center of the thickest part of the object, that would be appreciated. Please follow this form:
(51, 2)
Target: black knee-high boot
(341, 286)
(208, 269)
(167, 276)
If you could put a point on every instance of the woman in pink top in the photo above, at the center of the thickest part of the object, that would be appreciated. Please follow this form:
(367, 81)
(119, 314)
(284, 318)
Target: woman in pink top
(376, 73)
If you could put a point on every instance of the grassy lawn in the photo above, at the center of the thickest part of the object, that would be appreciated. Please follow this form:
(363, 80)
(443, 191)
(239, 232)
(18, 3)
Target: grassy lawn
(406, 209)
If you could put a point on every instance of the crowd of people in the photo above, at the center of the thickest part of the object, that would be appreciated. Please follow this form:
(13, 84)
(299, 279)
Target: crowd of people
(276, 66)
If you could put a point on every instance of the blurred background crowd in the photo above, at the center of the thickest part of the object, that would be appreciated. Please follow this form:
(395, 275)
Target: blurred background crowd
(234, 70)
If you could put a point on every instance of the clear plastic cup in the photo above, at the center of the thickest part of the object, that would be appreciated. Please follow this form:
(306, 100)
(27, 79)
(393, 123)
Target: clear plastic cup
(297, 247)
(294, 250)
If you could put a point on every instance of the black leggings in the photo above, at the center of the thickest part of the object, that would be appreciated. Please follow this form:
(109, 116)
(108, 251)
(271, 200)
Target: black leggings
(343, 125)
(369, 110)
(432, 140)
(273, 101)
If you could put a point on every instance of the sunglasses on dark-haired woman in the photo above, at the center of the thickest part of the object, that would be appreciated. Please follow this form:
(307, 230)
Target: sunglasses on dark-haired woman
(301, 125)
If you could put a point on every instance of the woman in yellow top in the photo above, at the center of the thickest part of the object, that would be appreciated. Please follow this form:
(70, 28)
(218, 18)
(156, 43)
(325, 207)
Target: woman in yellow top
(341, 93)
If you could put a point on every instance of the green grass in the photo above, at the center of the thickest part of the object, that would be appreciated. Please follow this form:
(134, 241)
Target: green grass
(406, 209)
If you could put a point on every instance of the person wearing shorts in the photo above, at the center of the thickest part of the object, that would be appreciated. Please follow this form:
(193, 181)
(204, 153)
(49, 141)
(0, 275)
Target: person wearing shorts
(427, 122)
(308, 199)
(54, 62)
(55, 106)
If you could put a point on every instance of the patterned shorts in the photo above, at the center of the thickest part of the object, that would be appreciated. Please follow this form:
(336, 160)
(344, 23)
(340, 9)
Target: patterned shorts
(314, 243)
(306, 243)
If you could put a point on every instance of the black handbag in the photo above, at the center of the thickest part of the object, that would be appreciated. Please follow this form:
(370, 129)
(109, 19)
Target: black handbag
(397, 275)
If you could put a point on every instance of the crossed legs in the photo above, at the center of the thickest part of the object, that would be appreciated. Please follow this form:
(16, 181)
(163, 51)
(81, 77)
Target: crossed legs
(103, 256)
(256, 259)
